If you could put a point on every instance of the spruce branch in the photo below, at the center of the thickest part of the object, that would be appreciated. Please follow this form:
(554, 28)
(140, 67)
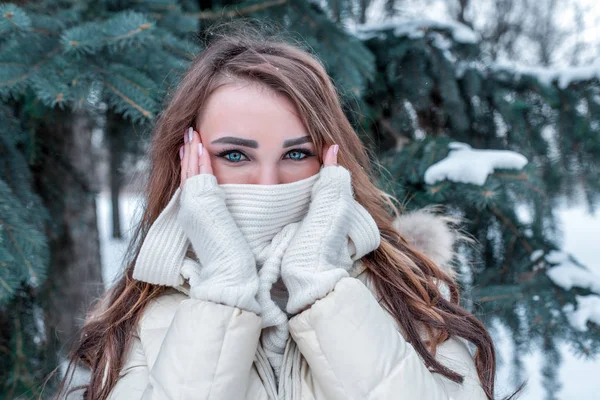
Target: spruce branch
(238, 10)
(129, 101)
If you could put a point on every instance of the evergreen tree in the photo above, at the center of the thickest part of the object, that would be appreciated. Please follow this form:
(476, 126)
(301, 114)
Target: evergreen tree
(61, 63)
(432, 90)
(412, 91)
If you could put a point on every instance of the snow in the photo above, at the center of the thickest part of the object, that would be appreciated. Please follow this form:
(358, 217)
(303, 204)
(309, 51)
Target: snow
(588, 309)
(501, 127)
(415, 28)
(467, 165)
(536, 253)
(582, 106)
(113, 250)
(581, 237)
(581, 232)
(577, 376)
(569, 275)
(548, 133)
(547, 76)
(412, 113)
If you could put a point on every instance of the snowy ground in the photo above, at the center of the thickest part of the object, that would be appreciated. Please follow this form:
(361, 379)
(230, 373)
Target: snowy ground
(111, 250)
(579, 378)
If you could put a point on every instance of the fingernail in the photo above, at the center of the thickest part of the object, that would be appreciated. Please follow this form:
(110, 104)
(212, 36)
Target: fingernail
(335, 149)
(191, 134)
(181, 153)
(200, 149)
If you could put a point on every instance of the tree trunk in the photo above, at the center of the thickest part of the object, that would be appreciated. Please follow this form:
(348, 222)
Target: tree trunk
(116, 153)
(66, 180)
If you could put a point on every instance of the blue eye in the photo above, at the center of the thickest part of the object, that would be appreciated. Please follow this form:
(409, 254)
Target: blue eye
(298, 154)
(236, 156)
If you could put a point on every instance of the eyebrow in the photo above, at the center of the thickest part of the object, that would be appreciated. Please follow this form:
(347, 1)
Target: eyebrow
(254, 144)
(237, 141)
(296, 141)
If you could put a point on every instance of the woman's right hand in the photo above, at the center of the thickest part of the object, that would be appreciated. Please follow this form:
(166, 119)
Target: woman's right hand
(194, 159)
(227, 274)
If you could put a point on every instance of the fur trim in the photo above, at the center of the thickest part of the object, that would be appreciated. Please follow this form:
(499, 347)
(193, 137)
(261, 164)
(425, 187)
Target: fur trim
(433, 235)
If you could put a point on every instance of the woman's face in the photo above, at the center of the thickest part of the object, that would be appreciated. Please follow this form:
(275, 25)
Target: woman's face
(255, 136)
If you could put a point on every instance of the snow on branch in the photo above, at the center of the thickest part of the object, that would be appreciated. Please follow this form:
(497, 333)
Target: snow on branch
(588, 309)
(564, 76)
(467, 165)
(417, 28)
(568, 274)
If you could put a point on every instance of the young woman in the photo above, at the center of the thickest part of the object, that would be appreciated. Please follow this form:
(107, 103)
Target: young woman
(268, 265)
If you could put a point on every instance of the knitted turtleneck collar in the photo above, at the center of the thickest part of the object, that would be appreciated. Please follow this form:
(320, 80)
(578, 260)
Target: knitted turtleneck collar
(261, 211)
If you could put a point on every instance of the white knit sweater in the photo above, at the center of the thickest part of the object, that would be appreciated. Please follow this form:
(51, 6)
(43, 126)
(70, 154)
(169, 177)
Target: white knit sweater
(268, 217)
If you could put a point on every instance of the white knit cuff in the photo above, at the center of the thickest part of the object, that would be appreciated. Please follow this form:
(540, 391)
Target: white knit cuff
(333, 175)
(240, 296)
(306, 287)
(201, 185)
(227, 274)
(322, 254)
(364, 232)
(163, 250)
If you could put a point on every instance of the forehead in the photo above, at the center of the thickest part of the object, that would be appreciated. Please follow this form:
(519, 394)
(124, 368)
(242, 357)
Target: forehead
(250, 111)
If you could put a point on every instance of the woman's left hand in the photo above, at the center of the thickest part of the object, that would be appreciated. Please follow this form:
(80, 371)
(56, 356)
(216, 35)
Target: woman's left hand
(313, 262)
(330, 155)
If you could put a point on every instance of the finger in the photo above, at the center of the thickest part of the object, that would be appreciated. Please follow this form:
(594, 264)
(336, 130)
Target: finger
(184, 161)
(325, 156)
(181, 151)
(192, 166)
(335, 153)
(204, 158)
(330, 157)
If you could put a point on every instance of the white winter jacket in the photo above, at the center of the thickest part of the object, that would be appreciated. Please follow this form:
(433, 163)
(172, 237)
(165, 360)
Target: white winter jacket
(345, 346)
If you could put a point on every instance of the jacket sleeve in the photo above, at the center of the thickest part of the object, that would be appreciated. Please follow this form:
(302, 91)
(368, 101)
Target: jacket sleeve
(206, 352)
(355, 351)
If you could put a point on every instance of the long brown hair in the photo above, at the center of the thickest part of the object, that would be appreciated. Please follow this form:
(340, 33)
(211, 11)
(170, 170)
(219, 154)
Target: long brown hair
(405, 280)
